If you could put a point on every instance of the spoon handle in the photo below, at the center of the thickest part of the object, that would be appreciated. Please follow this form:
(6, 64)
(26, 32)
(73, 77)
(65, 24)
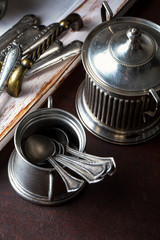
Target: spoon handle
(96, 160)
(89, 177)
(96, 170)
(72, 184)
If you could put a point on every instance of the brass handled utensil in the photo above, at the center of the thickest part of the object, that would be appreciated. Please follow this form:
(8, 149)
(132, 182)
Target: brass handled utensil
(72, 49)
(55, 47)
(31, 52)
(24, 40)
(10, 57)
(12, 60)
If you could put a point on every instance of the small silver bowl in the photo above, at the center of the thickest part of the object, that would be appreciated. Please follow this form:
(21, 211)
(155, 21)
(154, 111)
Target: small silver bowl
(42, 185)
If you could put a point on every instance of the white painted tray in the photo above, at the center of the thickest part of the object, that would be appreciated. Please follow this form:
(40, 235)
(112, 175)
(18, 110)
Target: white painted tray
(36, 89)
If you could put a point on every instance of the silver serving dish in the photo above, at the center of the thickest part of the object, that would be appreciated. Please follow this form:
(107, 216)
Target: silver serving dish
(119, 101)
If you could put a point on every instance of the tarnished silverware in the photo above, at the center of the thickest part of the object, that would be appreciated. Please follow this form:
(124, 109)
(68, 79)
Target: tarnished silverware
(12, 60)
(10, 57)
(55, 47)
(24, 40)
(43, 184)
(81, 158)
(17, 29)
(36, 47)
(39, 149)
(72, 49)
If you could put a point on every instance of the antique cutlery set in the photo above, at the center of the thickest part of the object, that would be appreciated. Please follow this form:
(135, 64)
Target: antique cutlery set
(30, 41)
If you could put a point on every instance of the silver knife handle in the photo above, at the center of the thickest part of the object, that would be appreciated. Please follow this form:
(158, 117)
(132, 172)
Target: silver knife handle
(18, 28)
(73, 49)
(24, 40)
(11, 62)
(52, 33)
(39, 40)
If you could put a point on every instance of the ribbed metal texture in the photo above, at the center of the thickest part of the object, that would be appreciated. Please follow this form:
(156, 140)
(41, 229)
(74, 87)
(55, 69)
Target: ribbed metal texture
(56, 30)
(119, 113)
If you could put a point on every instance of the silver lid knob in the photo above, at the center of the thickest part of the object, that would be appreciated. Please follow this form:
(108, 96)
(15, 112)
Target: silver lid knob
(133, 35)
(132, 48)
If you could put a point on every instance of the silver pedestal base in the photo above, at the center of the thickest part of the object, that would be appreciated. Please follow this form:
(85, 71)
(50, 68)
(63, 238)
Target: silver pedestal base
(110, 134)
(31, 196)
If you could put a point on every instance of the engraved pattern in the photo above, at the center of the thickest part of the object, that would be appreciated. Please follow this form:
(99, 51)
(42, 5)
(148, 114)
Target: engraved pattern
(47, 42)
(11, 62)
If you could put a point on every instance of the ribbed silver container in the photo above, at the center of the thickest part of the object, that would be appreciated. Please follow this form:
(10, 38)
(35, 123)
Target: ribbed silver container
(117, 111)
(119, 100)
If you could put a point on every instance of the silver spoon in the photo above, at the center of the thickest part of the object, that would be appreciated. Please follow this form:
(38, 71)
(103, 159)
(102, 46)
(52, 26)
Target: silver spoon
(37, 149)
(45, 147)
(71, 164)
(60, 136)
(59, 150)
(67, 162)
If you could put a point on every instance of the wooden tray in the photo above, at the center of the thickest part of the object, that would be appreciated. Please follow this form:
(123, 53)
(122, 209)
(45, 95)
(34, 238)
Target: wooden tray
(36, 89)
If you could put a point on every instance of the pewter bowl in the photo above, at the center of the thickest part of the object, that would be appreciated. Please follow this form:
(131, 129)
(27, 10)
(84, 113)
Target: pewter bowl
(42, 185)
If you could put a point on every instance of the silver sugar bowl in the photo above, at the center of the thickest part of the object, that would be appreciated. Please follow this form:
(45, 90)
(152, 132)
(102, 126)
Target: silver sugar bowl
(119, 101)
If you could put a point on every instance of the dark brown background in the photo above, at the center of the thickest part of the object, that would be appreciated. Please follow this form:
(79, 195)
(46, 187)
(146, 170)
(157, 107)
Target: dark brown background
(122, 207)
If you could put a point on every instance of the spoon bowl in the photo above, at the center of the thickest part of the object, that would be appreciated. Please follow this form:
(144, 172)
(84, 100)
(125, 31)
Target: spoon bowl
(60, 136)
(38, 148)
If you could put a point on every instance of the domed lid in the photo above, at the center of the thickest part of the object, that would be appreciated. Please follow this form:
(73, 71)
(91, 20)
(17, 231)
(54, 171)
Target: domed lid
(132, 48)
(123, 54)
